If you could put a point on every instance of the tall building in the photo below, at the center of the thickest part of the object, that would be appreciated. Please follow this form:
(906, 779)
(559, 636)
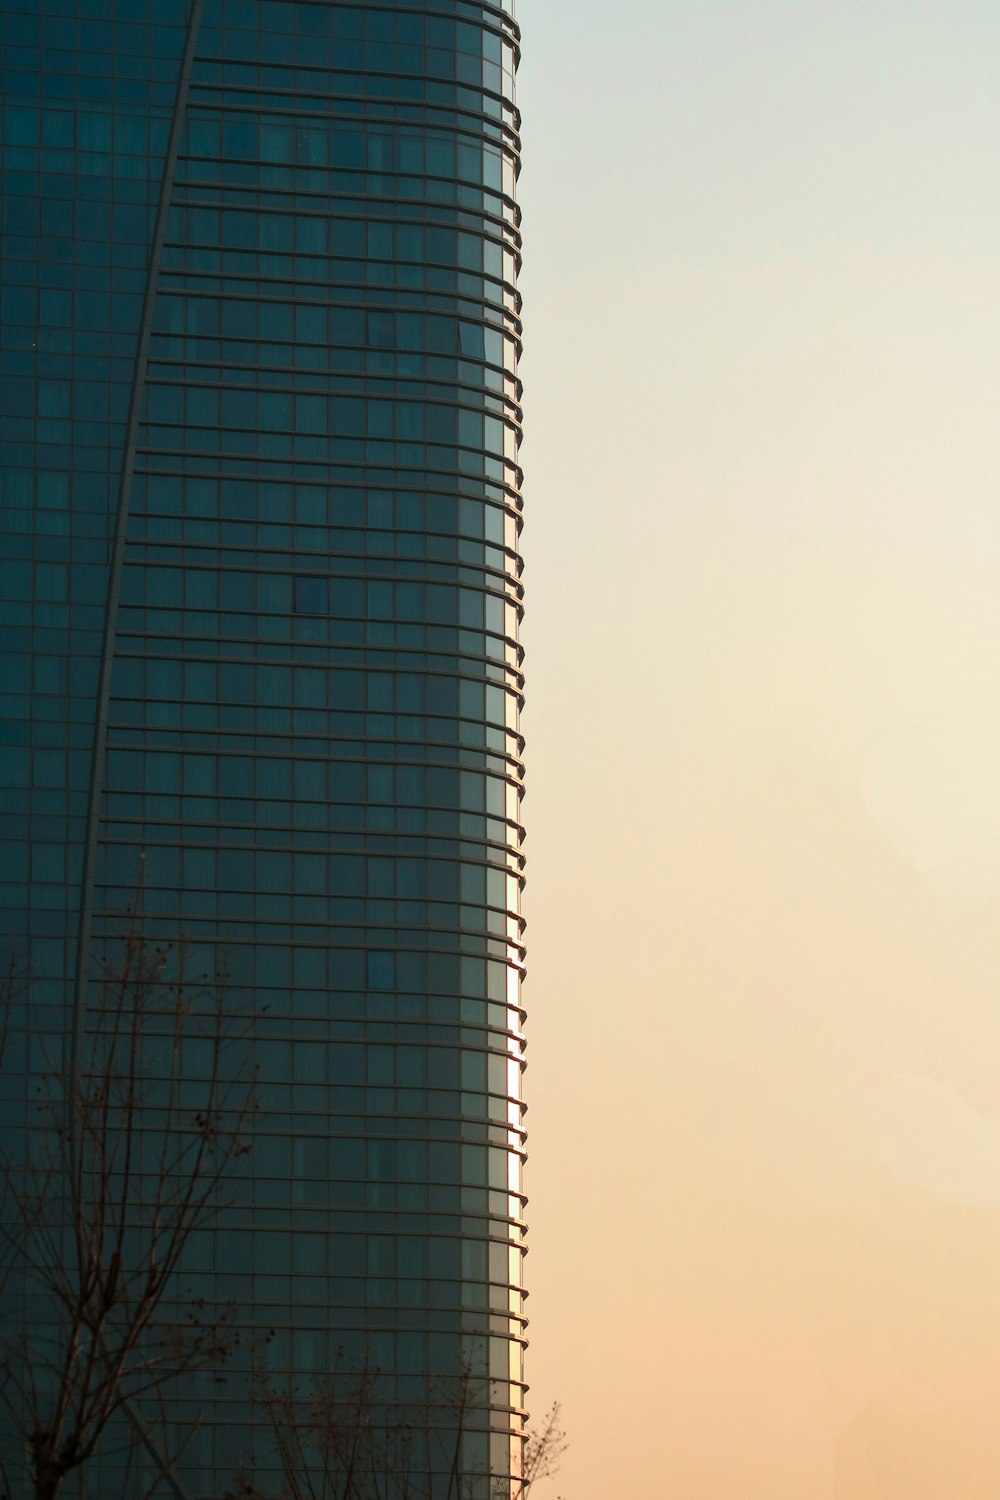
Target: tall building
(259, 421)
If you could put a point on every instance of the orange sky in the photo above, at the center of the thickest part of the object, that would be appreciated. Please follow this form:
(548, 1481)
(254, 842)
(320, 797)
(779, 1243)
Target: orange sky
(763, 547)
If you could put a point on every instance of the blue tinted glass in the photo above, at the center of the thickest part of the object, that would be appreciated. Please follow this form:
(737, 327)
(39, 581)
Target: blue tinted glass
(261, 504)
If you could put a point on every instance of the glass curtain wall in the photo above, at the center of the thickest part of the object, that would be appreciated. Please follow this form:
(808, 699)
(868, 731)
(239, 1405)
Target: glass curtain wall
(261, 509)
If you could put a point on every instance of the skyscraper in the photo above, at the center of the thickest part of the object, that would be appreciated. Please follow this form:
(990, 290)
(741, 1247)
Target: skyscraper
(259, 420)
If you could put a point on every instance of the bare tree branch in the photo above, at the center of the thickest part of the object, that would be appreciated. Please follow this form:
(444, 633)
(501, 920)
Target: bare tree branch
(122, 1170)
(544, 1447)
(342, 1439)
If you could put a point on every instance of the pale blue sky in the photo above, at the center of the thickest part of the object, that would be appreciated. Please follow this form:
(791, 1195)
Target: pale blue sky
(719, 129)
(763, 463)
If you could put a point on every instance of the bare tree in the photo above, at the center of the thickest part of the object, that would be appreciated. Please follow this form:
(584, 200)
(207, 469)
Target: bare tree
(544, 1447)
(123, 1164)
(342, 1440)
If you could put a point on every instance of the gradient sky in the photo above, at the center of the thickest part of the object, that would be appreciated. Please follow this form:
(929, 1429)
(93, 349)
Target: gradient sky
(762, 293)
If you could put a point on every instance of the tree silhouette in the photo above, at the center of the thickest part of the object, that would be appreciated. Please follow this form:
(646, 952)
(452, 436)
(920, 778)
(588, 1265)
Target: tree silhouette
(124, 1161)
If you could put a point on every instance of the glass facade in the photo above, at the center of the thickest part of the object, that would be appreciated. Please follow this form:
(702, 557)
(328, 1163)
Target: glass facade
(259, 421)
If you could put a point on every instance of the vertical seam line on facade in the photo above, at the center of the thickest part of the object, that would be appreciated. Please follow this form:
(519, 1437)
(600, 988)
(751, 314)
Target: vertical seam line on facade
(78, 1017)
